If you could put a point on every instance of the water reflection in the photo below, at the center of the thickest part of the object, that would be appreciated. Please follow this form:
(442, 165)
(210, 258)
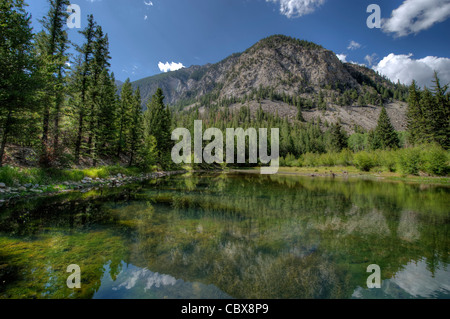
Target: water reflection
(415, 280)
(238, 236)
(139, 283)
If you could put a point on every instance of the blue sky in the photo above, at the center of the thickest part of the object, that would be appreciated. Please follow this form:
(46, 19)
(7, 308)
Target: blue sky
(144, 33)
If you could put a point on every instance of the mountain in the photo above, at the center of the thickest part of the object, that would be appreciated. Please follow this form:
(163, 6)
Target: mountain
(278, 68)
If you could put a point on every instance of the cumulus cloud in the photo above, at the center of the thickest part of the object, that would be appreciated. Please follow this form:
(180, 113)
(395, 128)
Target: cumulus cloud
(414, 16)
(353, 45)
(148, 3)
(297, 8)
(166, 67)
(342, 57)
(404, 68)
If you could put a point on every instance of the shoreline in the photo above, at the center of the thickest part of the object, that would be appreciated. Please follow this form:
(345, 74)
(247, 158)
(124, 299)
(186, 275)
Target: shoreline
(9, 194)
(343, 173)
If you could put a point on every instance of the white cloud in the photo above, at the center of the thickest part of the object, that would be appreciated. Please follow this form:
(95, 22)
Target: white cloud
(414, 16)
(405, 68)
(297, 8)
(148, 3)
(342, 57)
(353, 45)
(145, 17)
(166, 67)
(371, 59)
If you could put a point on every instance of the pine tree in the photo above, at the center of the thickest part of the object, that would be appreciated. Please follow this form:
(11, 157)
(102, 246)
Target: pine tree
(441, 113)
(52, 44)
(105, 130)
(385, 132)
(126, 104)
(18, 80)
(429, 114)
(157, 123)
(338, 139)
(415, 118)
(136, 131)
(100, 63)
(300, 114)
(60, 92)
(426, 122)
(81, 80)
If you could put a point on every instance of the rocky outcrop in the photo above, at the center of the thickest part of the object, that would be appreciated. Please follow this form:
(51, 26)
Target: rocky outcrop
(287, 65)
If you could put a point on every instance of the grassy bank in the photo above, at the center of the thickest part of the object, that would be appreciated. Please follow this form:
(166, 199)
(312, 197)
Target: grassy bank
(13, 175)
(418, 161)
(353, 172)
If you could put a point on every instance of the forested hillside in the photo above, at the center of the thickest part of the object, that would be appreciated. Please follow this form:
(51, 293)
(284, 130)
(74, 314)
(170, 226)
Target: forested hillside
(63, 111)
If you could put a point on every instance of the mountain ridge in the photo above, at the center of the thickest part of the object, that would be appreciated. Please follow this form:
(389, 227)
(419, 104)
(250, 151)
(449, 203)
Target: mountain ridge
(278, 67)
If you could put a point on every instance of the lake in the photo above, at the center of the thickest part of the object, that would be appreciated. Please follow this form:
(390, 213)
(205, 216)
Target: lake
(236, 235)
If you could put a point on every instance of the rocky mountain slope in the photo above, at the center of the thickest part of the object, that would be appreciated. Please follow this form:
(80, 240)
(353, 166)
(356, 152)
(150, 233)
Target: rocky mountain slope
(288, 68)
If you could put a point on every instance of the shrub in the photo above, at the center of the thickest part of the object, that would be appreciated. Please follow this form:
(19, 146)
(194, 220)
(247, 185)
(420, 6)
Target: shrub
(435, 161)
(290, 161)
(364, 161)
(310, 159)
(388, 160)
(409, 161)
(8, 175)
(327, 159)
(345, 158)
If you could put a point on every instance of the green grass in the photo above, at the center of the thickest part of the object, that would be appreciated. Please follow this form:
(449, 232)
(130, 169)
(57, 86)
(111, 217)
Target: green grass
(376, 172)
(12, 175)
(428, 159)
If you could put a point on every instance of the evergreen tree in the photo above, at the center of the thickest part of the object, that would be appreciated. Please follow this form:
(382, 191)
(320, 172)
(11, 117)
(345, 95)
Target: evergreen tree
(106, 128)
(441, 113)
(157, 123)
(426, 122)
(285, 139)
(82, 81)
(17, 68)
(386, 135)
(429, 114)
(300, 115)
(52, 45)
(373, 141)
(126, 105)
(338, 138)
(136, 131)
(414, 115)
(100, 63)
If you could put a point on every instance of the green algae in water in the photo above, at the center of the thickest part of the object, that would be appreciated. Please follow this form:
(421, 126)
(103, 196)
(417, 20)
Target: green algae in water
(230, 236)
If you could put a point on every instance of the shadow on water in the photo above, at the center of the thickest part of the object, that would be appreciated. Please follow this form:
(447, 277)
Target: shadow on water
(230, 236)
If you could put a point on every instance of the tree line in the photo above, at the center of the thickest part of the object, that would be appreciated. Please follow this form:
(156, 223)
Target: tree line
(71, 111)
(428, 122)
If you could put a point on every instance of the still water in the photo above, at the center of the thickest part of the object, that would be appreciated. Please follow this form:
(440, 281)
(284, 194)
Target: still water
(230, 236)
